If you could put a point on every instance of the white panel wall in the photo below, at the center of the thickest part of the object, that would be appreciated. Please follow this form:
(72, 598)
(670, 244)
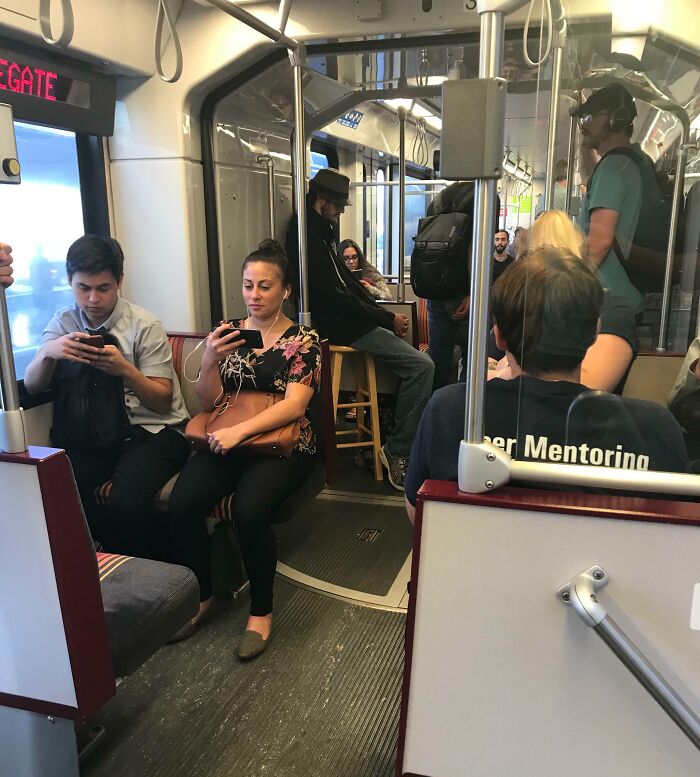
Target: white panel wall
(159, 218)
(34, 658)
(506, 680)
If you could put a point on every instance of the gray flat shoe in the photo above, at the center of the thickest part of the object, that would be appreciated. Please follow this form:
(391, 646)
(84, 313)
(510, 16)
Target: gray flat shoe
(190, 628)
(252, 645)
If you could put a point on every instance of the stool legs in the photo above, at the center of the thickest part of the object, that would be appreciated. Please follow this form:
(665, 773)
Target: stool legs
(374, 414)
(336, 372)
(366, 436)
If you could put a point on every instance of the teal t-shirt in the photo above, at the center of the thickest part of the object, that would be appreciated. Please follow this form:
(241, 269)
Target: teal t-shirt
(617, 185)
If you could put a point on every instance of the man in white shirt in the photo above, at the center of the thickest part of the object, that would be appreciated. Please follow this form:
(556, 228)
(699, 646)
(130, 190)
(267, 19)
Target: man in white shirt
(137, 352)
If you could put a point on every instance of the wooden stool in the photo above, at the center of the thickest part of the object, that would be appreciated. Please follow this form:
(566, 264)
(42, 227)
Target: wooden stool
(365, 398)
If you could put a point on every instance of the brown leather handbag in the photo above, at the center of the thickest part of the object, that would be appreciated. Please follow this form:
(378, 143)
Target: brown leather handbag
(235, 409)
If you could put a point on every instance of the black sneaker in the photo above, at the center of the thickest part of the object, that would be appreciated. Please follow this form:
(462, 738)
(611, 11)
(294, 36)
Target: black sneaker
(396, 467)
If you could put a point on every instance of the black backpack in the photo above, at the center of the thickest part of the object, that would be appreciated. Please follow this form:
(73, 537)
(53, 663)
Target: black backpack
(440, 259)
(89, 411)
(646, 263)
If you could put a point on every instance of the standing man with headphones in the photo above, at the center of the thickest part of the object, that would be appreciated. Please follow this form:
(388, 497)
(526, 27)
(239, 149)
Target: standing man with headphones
(610, 211)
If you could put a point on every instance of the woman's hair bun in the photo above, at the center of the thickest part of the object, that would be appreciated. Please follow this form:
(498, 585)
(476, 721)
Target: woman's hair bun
(272, 246)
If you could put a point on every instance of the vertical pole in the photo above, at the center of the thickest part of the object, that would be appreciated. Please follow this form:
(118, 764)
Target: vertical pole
(506, 191)
(402, 201)
(8, 394)
(270, 165)
(570, 175)
(490, 62)
(558, 53)
(297, 57)
(283, 15)
(675, 212)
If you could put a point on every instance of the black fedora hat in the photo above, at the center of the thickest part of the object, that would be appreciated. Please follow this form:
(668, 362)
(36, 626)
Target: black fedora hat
(332, 185)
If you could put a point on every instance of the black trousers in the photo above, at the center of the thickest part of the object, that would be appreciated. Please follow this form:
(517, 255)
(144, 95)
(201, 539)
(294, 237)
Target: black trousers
(138, 470)
(259, 486)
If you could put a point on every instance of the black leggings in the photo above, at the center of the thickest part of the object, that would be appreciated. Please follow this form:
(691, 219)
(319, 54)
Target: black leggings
(260, 485)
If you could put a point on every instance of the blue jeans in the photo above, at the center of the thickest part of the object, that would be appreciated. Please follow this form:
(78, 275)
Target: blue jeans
(443, 334)
(415, 370)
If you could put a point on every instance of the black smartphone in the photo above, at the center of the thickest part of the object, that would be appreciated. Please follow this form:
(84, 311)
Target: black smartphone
(358, 274)
(96, 341)
(251, 337)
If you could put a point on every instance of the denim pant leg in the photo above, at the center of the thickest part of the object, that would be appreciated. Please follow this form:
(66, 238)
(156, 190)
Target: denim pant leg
(441, 338)
(415, 370)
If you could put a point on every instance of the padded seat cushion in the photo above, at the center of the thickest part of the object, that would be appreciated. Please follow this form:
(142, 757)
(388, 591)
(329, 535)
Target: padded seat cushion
(145, 603)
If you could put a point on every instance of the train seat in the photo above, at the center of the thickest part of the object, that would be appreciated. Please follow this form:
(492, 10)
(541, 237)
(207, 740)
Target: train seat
(652, 376)
(145, 603)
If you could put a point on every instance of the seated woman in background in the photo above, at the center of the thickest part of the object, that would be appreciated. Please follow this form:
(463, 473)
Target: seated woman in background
(289, 363)
(371, 279)
(608, 361)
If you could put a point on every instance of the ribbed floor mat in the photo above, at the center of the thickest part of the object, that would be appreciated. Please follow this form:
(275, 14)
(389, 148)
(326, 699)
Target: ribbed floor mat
(357, 544)
(322, 701)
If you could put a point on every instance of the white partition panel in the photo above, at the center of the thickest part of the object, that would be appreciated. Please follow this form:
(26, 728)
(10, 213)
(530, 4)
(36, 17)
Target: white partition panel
(34, 661)
(506, 680)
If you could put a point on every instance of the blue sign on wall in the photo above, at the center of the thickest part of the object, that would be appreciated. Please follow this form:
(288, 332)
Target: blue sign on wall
(351, 119)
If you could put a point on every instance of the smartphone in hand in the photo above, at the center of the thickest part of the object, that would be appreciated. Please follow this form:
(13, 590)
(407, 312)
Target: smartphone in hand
(252, 338)
(96, 341)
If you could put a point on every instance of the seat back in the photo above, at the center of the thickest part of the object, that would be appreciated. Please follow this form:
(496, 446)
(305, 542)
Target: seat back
(652, 376)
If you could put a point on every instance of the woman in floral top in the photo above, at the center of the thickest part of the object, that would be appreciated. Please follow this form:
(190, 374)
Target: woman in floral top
(289, 363)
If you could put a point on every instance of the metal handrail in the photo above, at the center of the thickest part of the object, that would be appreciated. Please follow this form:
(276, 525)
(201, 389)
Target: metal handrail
(297, 54)
(402, 201)
(270, 164)
(580, 593)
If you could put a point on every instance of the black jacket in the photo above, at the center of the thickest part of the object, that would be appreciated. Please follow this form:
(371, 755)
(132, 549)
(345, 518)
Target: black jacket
(340, 308)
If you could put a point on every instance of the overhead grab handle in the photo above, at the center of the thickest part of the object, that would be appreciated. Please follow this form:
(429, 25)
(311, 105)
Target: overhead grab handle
(165, 14)
(66, 35)
(269, 162)
(580, 593)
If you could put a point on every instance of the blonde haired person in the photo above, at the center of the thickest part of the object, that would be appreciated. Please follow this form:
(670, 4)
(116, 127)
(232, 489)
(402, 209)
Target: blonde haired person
(608, 360)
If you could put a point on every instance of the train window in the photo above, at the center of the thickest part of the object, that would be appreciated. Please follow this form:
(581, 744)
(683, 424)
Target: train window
(318, 162)
(43, 216)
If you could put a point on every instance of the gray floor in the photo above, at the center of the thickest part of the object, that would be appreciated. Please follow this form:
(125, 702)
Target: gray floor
(322, 701)
(351, 541)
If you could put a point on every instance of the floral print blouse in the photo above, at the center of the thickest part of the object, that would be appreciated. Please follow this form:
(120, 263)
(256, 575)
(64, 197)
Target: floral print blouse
(294, 358)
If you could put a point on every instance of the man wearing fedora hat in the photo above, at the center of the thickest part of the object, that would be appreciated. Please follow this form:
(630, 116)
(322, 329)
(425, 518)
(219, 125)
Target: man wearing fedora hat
(344, 313)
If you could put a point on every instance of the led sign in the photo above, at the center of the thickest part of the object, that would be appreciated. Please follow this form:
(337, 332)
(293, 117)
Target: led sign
(40, 82)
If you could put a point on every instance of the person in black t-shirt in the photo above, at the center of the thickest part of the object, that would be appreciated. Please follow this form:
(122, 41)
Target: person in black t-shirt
(546, 313)
(502, 260)
(608, 361)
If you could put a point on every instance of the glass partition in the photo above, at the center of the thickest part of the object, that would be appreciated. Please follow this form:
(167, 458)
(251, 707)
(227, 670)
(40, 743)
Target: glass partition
(42, 217)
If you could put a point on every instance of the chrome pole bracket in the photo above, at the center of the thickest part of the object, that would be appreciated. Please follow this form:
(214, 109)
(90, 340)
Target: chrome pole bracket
(580, 594)
(482, 467)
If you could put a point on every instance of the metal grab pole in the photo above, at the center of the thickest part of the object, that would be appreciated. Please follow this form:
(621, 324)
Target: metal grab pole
(252, 21)
(558, 54)
(270, 164)
(506, 192)
(580, 593)
(573, 137)
(670, 249)
(296, 58)
(630, 655)
(9, 394)
(283, 14)
(485, 197)
(401, 291)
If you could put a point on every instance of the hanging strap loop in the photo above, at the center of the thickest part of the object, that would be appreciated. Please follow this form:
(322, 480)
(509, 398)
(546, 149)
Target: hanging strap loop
(66, 35)
(165, 14)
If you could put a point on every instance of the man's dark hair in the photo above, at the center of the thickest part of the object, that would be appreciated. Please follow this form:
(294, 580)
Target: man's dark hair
(93, 254)
(561, 170)
(547, 308)
(271, 252)
(505, 232)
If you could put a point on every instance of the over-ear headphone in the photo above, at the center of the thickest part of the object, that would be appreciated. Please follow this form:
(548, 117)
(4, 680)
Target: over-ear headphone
(621, 117)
